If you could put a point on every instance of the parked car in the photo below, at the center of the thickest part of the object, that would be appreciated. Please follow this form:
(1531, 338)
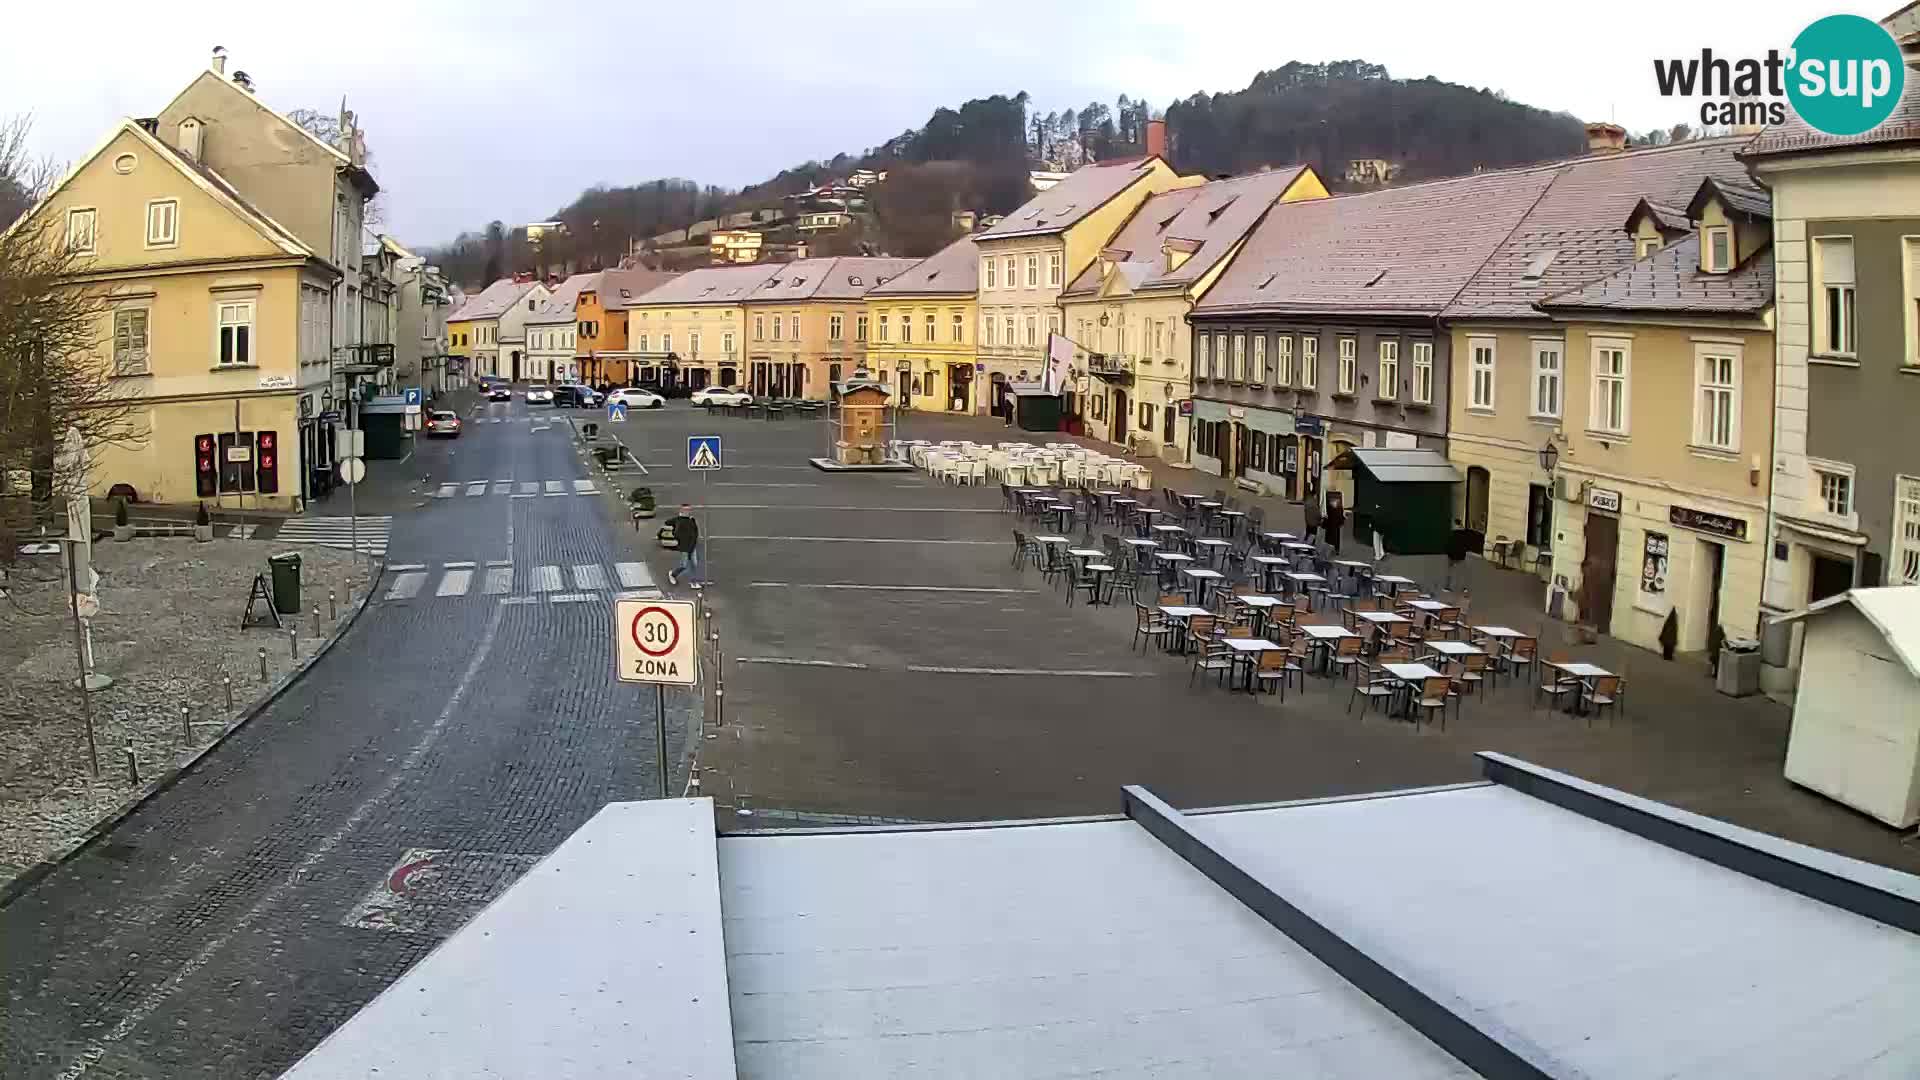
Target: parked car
(443, 425)
(539, 394)
(721, 395)
(574, 396)
(636, 398)
(500, 391)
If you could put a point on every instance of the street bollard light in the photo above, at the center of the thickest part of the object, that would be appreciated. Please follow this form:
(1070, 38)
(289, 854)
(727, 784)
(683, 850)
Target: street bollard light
(333, 608)
(293, 643)
(226, 682)
(133, 765)
(263, 665)
(186, 725)
(693, 784)
(316, 620)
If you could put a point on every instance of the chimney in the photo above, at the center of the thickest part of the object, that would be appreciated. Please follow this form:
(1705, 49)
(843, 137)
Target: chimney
(243, 80)
(1157, 138)
(191, 133)
(1606, 138)
(219, 60)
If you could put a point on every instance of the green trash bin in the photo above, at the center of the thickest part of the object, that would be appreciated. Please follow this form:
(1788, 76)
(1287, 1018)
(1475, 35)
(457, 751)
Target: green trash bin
(286, 582)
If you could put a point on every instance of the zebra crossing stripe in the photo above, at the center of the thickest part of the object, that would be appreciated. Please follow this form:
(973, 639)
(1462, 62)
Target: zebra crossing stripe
(571, 597)
(546, 579)
(454, 583)
(589, 576)
(634, 575)
(554, 488)
(476, 487)
(585, 487)
(529, 487)
(446, 491)
(406, 585)
(499, 580)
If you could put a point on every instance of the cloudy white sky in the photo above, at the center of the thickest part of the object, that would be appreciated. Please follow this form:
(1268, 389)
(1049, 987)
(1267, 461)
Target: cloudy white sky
(478, 110)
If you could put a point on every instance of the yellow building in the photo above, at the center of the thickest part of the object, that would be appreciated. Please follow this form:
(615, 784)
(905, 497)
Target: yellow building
(805, 324)
(920, 331)
(695, 321)
(475, 329)
(1028, 258)
(213, 312)
(734, 245)
(1615, 440)
(1126, 313)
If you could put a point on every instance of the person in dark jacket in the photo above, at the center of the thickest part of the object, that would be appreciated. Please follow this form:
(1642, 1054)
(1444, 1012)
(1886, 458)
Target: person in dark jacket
(686, 540)
(1336, 518)
(1457, 544)
(1313, 519)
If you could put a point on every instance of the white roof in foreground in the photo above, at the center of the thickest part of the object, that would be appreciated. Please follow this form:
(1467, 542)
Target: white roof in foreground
(1538, 920)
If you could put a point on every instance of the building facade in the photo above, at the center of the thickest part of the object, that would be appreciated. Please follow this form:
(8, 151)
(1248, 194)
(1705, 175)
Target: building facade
(421, 348)
(803, 324)
(1126, 312)
(606, 307)
(478, 331)
(553, 335)
(929, 316)
(695, 322)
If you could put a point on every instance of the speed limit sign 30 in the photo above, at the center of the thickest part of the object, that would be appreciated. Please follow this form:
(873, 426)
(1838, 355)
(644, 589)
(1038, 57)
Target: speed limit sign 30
(654, 641)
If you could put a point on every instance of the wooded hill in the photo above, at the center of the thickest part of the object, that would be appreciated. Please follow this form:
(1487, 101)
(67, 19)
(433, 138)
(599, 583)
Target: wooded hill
(977, 157)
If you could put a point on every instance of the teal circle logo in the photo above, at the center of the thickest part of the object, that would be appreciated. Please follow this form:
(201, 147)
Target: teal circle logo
(1847, 75)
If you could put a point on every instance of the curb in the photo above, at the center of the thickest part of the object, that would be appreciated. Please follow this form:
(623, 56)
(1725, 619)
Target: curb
(13, 888)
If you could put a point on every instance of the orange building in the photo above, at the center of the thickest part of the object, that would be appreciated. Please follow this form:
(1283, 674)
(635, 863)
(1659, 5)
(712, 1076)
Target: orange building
(601, 314)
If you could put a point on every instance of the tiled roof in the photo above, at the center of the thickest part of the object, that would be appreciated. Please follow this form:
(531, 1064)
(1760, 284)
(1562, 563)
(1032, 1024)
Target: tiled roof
(1796, 137)
(491, 302)
(953, 269)
(1573, 234)
(1740, 195)
(709, 285)
(840, 278)
(1061, 206)
(1401, 251)
(1213, 217)
(621, 289)
(1665, 218)
(558, 308)
(1670, 280)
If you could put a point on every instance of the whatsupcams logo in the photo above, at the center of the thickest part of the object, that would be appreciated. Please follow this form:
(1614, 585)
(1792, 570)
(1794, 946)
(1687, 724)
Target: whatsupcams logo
(1843, 76)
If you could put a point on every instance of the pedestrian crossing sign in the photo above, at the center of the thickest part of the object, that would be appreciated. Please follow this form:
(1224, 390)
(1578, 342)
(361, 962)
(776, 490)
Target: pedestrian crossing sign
(616, 411)
(703, 451)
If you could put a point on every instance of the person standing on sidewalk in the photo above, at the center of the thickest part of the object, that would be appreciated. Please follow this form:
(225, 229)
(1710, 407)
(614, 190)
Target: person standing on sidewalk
(1336, 517)
(1458, 543)
(686, 540)
(1313, 519)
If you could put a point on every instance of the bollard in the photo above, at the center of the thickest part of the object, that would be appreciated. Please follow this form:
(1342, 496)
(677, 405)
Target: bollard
(293, 643)
(226, 681)
(743, 805)
(693, 784)
(316, 620)
(186, 725)
(133, 765)
(263, 665)
(333, 608)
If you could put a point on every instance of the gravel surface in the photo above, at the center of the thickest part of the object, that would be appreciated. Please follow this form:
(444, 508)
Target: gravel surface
(168, 630)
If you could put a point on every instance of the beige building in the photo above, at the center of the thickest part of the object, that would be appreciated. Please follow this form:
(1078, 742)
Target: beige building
(552, 336)
(214, 311)
(698, 318)
(920, 331)
(490, 327)
(805, 324)
(1126, 313)
(1027, 259)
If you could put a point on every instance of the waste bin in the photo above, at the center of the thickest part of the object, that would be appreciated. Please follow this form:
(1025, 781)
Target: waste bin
(1739, 672)
(286, 582)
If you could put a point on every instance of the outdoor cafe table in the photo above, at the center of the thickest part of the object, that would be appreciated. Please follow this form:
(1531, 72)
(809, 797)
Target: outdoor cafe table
(1061, 510)
(1180, 613)
(1280, 536)
(1171, 559)
(1583, 672)
(1433, 608)
(1232, 518)
(1324, 636)
(1392, 582)
(1454, 648)
(1169, 530)
(1099, 570)
(1086, 553)
(1410, 676)
(1204, 576)
(1213, 547)
(1500, 631)
(1247, 651)
(1260, 606)
(1051, 540)
(1270, 567)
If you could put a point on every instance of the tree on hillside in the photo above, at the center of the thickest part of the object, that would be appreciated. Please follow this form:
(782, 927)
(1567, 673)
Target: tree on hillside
(914, 207)
(496, 253)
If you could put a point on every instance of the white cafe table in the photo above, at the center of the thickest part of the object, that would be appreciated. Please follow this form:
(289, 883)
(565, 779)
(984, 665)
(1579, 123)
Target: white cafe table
(1168, 529)
(1136, 542)
(1051, 540)
(1454, 648)
(1500, 631)
(1248, 650)
(1380, 618)
(1431, 607)
(1173, 556)
(1392, 582)
(1204, 576)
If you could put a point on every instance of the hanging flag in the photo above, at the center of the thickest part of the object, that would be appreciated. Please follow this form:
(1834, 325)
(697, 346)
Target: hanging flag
(1059, 361)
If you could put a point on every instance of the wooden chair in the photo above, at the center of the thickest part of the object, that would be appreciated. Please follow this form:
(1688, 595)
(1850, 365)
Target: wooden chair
(1212, 657)
(1200, 628)
(1149, 625)
(1554, 685)
(1605, 694)
(1275, 666)
(1473, 670)
(1400, 631)
(1522, 654)
(1346, 655)
(1433, 697)
(1381, 690)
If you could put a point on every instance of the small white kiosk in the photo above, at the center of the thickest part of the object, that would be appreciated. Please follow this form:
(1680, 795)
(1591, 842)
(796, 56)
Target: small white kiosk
(1856, 717)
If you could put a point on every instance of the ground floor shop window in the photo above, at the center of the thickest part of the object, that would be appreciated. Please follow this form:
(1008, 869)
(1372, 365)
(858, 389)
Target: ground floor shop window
(1539, 516)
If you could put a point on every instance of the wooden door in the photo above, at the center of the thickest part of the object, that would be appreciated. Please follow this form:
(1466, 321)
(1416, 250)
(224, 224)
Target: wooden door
(1597, 571)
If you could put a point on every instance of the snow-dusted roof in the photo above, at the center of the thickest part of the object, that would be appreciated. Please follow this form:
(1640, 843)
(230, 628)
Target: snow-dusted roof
(1894, 610)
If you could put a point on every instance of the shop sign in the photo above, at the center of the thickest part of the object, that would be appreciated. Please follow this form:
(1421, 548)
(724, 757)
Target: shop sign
(1604, 499)
(1687, 517)
(276, 382)
(1186, 407)
(1237, 414)
(1309, 425)
(1652, 595)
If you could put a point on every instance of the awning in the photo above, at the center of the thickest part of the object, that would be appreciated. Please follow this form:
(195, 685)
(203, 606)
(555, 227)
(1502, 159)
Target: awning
(1400, 466)
(1823, 532)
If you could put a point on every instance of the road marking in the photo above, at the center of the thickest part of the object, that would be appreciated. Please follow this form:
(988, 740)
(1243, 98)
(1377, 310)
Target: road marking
(454, 583)
(502, 487)
(520, 600)
(458, 565)
(499, 580)
(553, 488)
(406, 585)
(585, 487)
(589, 576)
(863, 540)
(476, 487)
(790, 662)
(1095, 674)
(888, 509)
(530, 495)
(571, 597)
(153, 999)
(634, 575)
(446, 491)
(883, 588)
(397, 567)
(529, 487)
(546, 579)
(499, 562)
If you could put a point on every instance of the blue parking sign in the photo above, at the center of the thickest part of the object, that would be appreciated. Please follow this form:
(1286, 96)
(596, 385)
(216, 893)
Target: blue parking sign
(703, 451)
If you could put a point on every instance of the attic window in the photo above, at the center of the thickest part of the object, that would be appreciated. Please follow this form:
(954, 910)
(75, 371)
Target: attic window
(1537, 266)
(853, 279)
(1719, 245)
(1375, 280)
(796, 283)
(1214, 214)
(1266, 281)
(881, 280)
(1644, 246)
(624, 294)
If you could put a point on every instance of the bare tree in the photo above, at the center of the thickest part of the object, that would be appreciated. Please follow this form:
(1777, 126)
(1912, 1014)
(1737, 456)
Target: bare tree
(326, 128)
(54, 372)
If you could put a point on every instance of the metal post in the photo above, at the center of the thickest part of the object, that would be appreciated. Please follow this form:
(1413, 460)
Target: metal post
(293, 643)
(226, 681)
(186, 725)
(333, 609)
(316, 620)
(263, 665)
(133, 765)
(80, 653)
(660, 731)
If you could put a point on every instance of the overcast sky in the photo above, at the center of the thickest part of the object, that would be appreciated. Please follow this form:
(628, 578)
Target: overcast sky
(480, 110)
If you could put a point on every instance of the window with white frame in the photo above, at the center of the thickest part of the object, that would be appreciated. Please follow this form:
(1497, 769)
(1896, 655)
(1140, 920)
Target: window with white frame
(959, 327)
(1833, 488)
(1546, 378)
(991, 271)
(1006, 325)
(1833, 264)
(1239, 357)
(1221, 357)
(1310, 361)
(693, 344)
(859, 328)
(1009, 269)
(1608, 414)
(1716, 399)
(1349, 364)
(986, 329)
(163, 223)
(1033, 271)
(666, 342)
(1719, 244)
(80, 230)
(1120, 339)
(1283, 359)
(1644, 246)
(1053, 322)
(1423, 372)
(793, 327)
(1259, 374)
(1202, 359)
(1906, 531)
(777, 327)
(234, 320)
(886, 328)
(1389, 370)
(906, 327)
(1159, 345)
(1033, 329)
(130, 341)
(836, 326)
(932, 326)
(640, 343)
(759, 328)
(726, 343)
(1480, 358)
(1053, 269)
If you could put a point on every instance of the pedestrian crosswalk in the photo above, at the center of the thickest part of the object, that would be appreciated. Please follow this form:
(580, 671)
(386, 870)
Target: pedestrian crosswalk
(518, 489)
(550, 582)
(367, 533)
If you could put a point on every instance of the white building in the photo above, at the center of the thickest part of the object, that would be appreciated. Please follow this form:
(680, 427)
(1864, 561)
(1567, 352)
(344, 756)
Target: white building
(552, 332)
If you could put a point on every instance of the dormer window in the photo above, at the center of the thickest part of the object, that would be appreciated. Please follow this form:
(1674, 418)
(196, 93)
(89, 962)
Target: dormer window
(1644, 246)
(1716, 249)
(854, 280)
(1537, 266)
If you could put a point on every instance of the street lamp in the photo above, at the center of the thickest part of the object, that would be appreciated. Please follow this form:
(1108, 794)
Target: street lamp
(1549, 456)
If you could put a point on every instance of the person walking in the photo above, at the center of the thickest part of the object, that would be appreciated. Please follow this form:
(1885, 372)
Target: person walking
(686, 540)
(1313, 519)
(1335, 519)
(1458, 543)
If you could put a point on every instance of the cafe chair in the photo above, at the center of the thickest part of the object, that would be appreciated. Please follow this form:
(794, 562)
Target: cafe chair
(1554, 686)
(1473, 671)
(1381, 690)
(1522, 654)
(1274, 668)
(1346, 656)
(1025, 549)
(1433, 697)
(1149, 625)
(1125, 579)
(1605, 694)
(1211, 657)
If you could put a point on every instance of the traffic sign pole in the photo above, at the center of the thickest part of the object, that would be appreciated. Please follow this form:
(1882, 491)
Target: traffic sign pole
(657, 641)
(660, 731)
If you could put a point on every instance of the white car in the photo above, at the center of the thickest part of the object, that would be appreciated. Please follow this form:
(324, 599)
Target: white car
(720, 395)
(635, 398)
(539, 394)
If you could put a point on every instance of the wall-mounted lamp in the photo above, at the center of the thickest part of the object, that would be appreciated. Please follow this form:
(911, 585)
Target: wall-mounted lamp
(1549, 456)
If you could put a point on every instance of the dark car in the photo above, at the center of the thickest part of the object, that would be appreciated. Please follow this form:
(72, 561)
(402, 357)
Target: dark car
(500, 391)
(574, 396)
